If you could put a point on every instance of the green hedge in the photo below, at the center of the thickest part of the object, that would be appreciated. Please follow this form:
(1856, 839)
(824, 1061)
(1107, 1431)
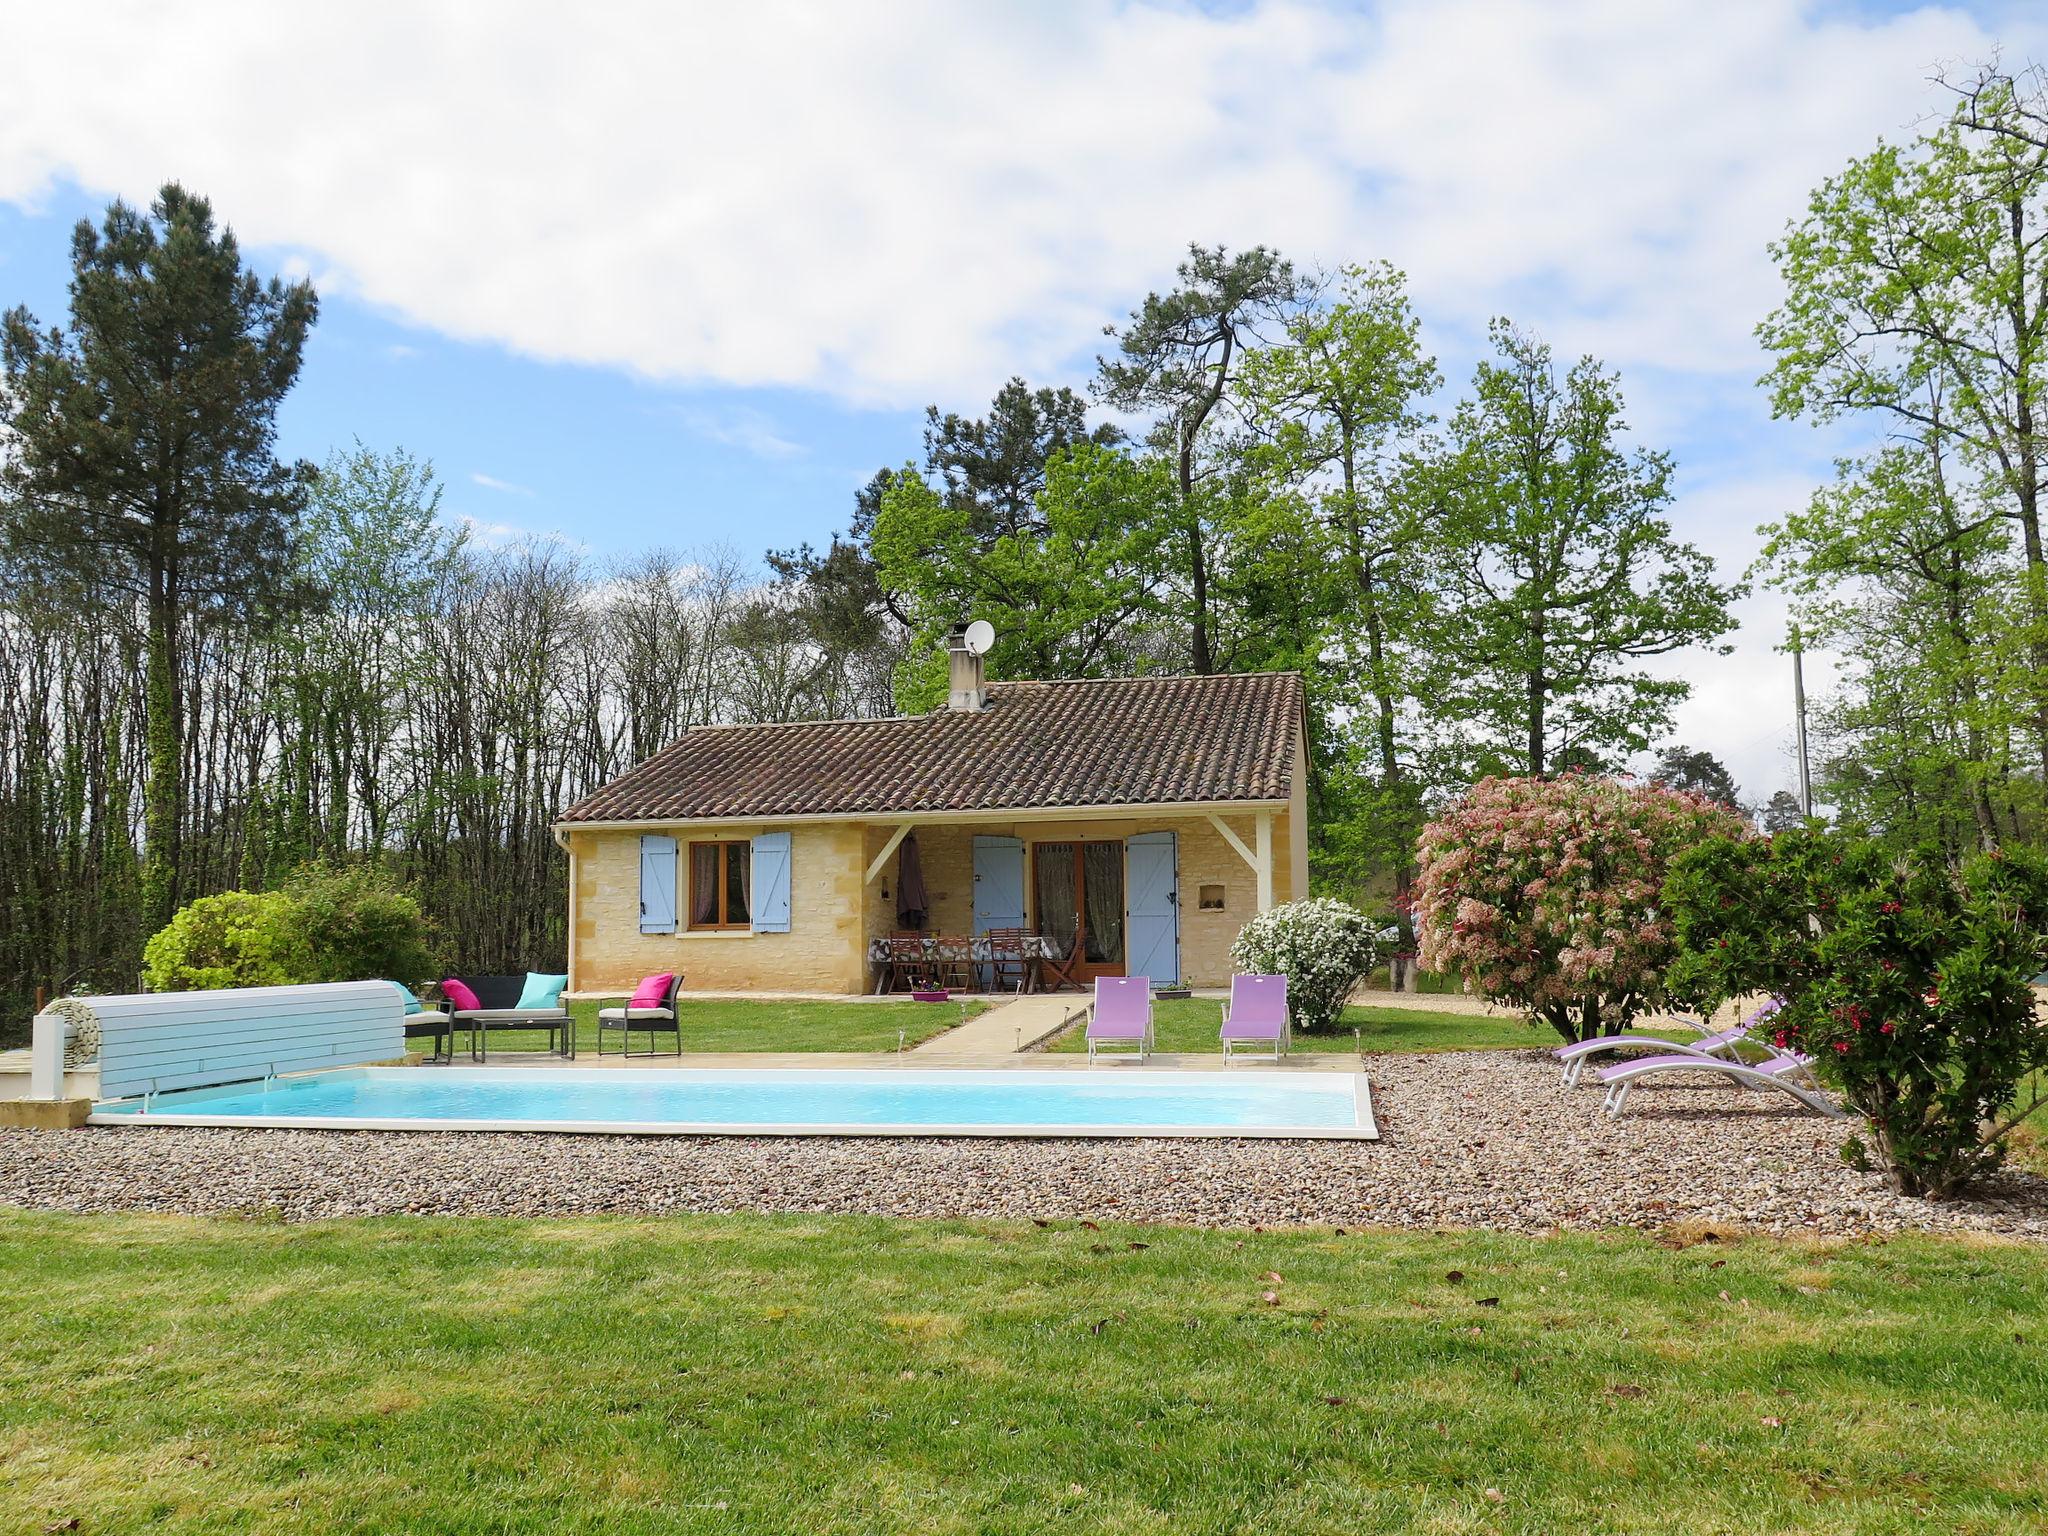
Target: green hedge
(329, 923)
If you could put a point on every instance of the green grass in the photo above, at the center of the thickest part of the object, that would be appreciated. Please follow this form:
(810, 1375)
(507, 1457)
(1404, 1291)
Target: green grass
(1191, 1025)
(828, 1375)
(745, 1024)
(2029, 1142)
(1435, 982)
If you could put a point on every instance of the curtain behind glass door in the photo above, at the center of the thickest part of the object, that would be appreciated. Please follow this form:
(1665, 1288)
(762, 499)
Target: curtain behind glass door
(1102, 884)
(1053, 883)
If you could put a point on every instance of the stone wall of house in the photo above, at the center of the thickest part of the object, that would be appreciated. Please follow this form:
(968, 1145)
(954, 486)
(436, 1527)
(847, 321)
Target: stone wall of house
(833, 914)
(822, 952)
(946, 853)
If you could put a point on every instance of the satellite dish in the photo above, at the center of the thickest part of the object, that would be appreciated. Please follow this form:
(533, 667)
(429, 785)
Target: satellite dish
(980, 636)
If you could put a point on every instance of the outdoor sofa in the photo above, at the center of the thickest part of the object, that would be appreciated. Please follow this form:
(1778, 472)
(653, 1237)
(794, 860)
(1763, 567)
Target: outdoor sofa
(498, 1007)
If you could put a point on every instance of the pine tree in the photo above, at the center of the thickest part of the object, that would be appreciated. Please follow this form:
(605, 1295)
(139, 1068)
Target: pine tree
(143, 468)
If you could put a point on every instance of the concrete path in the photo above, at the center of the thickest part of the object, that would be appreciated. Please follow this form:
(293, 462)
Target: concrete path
(1008, 1027)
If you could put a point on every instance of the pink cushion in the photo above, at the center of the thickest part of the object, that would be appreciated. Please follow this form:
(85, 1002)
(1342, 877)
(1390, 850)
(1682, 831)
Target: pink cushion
(460, 996)
(652, 991)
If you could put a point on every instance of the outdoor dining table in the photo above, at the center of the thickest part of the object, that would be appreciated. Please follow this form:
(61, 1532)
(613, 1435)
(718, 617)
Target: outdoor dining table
(942, 948)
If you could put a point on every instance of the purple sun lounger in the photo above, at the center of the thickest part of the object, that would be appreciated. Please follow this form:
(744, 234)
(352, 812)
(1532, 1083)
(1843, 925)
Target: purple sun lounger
(1121, 1014)
(1784, 1071)
(1719, 1044)
(1255, 1018)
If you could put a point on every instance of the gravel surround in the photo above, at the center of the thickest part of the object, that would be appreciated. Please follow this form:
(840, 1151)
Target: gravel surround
(1468, 1139)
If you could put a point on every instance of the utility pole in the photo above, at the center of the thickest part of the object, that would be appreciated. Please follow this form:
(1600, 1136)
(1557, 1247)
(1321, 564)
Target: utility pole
(1799, 712)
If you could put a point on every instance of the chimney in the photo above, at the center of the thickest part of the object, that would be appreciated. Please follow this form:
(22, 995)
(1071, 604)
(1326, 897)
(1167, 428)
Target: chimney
(969, 689)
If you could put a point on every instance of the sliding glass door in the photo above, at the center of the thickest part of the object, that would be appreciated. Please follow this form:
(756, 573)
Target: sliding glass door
(1079, 894)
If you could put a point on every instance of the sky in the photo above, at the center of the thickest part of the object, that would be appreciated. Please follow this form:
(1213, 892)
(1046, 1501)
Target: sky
(687, 275)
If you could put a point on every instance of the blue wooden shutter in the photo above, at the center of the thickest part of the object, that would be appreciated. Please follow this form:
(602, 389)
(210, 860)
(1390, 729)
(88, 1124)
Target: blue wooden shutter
(657, 884)
(1152, 895)
(998, 888)
(769, 892)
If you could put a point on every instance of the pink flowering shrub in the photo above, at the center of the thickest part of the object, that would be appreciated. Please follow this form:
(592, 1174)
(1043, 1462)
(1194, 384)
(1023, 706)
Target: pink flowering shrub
(1544, 894)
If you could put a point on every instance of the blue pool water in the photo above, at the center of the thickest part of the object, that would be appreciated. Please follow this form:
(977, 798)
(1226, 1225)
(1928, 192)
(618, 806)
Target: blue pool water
(1116, 1101)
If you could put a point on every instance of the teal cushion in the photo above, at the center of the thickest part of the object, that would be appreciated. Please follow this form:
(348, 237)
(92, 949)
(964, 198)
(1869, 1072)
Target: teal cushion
(542, 991)
(412, 1004)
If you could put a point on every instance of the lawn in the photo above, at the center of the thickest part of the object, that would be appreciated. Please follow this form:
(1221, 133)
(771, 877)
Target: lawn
(2029, 1143)
(1191, 1024)
(747, 1024)
(748, 1374)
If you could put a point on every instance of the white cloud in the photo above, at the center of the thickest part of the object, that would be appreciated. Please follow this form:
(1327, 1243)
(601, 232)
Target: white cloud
(1741, 707)
(488, 535)
(482, 533)
(911, 200)
(747, 430)
(502, 487)
(907, 201)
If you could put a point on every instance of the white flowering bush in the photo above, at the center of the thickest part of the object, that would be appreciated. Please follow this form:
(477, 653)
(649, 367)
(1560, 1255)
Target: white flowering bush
(1324, 948)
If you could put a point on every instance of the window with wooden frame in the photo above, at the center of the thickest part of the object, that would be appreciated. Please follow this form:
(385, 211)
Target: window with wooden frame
(719, 878)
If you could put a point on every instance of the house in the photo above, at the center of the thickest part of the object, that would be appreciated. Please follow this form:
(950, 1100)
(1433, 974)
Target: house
(1139, 821)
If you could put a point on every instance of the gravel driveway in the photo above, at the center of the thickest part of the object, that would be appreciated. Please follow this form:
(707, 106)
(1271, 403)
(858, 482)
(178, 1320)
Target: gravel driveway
(1471, 1139)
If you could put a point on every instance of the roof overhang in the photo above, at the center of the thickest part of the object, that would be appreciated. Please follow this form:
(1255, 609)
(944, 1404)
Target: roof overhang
(1125, 812)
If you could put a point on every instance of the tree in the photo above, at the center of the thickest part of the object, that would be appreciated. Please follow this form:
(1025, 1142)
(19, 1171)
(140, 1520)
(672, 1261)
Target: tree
(372, 546)
(846, 615)
(1063, 600)
(1913, 580)
(141, 456)
(1913, 296)
(1700, 773)
(1329, 403)
(1781, 813)
(1554, 571)
(1547, 894)
(993, 467)
(1907, 980)
(1178, 356)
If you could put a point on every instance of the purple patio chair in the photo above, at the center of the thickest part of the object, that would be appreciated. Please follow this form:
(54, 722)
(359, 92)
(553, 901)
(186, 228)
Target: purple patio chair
(1719, 1044)
(1121, 1014)
(1783, 1071)
(1256, 1015)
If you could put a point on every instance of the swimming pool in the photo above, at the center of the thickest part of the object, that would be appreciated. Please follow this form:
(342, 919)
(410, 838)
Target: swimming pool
(797, 1102)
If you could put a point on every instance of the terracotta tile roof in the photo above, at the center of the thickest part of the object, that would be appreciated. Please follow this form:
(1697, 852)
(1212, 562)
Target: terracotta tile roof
(1118, 741)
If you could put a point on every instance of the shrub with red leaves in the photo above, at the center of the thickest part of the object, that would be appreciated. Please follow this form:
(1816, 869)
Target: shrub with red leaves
(1908, 980)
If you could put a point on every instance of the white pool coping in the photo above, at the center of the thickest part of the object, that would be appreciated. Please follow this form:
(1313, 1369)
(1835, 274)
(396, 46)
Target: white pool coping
(1363, 1128)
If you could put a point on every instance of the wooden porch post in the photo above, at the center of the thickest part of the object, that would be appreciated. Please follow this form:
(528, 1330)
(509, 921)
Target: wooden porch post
(1260, 856)
(882, 858)
(1263, 865)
